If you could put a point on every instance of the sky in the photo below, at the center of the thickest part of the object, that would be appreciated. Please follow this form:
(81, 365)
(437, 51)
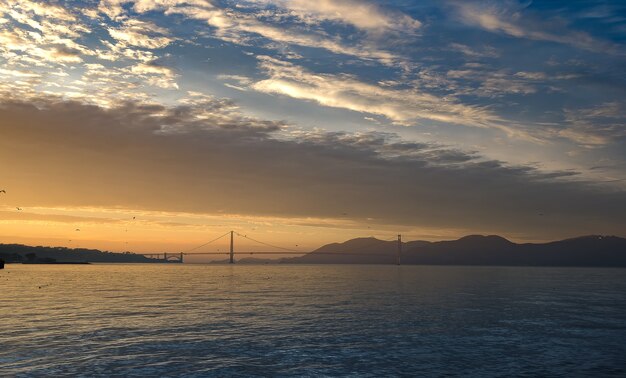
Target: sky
(155, 125)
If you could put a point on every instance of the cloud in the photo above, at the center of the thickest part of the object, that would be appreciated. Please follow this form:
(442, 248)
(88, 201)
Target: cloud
(484, 52)
(37, 34)
(11, 215)
(532, 75)
(596, 126)
(238, 27)
(43, 49)
(402, 106)
(156, 74)
(152, 68)
(243, 80)
(205, 157)
(491, 83)
(141, 34)
(18, 74)
(131, 54)
(361, 14)
(242, 28)
(510, 19)
(63, 54)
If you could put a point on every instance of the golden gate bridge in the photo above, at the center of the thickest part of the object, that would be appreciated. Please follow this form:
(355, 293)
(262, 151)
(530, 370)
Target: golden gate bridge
(178, 257)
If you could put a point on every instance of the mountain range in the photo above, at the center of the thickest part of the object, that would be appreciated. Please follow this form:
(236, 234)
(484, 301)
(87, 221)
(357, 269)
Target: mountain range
(595, 250)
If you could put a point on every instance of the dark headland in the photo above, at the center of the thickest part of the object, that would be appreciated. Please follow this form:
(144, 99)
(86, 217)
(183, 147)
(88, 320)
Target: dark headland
(18, 253)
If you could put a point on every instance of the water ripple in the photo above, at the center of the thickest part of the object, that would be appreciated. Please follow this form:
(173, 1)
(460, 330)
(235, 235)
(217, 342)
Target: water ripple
(192, 321)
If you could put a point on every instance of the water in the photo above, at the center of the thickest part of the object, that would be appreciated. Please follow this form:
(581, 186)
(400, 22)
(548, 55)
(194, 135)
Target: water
(203, 320)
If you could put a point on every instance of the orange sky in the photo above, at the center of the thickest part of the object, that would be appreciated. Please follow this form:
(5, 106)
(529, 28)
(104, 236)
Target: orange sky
(153, 231)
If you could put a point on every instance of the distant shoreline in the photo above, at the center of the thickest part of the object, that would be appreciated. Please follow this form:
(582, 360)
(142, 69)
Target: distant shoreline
(19, 253)
(55, 263)
(471, 250)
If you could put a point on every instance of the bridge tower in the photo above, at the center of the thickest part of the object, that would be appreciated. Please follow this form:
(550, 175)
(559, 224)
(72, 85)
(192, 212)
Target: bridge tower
(232, 251)
(399, 248)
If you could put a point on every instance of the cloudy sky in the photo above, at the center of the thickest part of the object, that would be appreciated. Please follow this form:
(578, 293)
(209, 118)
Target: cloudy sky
(304, 122)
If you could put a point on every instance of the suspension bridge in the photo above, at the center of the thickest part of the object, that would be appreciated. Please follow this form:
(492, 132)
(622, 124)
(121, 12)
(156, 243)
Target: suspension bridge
(180, 256)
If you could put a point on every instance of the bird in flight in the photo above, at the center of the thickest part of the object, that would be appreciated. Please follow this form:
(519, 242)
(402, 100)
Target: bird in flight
(3, 191)
(78, 229)
(19, 208)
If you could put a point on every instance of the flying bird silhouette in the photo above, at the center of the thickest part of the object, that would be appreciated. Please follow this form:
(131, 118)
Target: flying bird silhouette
(78, 229)
(3, 191)
(19, 208)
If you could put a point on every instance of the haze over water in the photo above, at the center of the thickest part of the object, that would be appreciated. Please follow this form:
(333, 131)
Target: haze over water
(271, 320)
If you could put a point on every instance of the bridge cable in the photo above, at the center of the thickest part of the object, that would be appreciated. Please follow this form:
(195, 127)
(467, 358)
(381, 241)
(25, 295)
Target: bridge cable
(267, 244)
(207, 243)
(344, 252)
(377, 241)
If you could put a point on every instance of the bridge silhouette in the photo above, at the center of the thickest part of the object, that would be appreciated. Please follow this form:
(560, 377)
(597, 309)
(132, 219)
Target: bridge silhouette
(180, 256)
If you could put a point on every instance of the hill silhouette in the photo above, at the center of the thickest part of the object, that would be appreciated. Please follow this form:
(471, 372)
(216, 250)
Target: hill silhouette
(594, 250)
(19, 252)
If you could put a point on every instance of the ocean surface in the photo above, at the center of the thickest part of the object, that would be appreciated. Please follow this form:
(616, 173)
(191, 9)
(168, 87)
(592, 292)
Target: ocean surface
(329, 320)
